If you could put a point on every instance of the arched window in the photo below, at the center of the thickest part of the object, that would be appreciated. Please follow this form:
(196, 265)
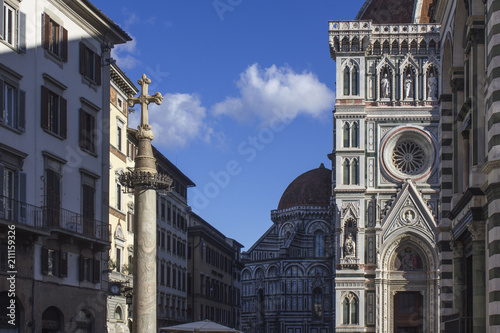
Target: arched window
(395, 47)
(432, 47)
(376, 48)
(346, 81)
(355, 172)
(317, 303)
(350, 310)
(404, 47)
(347, 172)
(354, 80)
(261, 307)
(355, 44)
(118, 314)
(413, 47)
(345, 45)
(52, 320)
(354, 135)
(347, 135)
(423, 47)
(319, 244)
(385, 47)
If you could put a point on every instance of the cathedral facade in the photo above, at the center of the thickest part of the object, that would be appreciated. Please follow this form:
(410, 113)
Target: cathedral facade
(386, 180)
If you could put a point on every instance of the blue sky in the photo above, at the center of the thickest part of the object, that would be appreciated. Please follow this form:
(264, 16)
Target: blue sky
(248, 90)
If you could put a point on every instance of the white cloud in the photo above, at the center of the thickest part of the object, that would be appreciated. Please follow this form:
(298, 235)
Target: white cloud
(124, 54)
(267, 93)
(178, 121)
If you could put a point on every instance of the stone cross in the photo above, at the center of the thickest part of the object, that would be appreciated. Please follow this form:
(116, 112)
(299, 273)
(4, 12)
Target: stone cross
(144, 99)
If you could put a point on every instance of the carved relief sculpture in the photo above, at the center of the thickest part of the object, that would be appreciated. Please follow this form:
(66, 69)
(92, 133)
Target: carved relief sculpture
(386, 87)
(432, 87)
(349, 247)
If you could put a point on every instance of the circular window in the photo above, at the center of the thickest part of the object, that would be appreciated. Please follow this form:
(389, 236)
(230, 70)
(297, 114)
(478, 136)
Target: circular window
(407, 152)
(408, 157)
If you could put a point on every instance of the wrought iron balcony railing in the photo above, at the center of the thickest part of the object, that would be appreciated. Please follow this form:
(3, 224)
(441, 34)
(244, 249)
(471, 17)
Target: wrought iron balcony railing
(44, 218)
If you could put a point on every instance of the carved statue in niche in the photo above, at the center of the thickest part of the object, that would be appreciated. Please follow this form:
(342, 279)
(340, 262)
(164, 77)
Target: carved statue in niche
(432, 86)
(349, 246)
(408, 87)
(386, 86)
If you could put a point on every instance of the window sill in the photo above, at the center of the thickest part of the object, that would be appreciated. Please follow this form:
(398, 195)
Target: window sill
(12, 129)
(89, 152)
(15, 49)
(54, 58)
(89, 82)
(54, 134)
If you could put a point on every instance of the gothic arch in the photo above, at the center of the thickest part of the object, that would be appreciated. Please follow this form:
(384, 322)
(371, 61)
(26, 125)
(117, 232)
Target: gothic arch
(316, 225)
(273, 271)
(311, 271)
(246, 274)
(289, 270)
(259, 272)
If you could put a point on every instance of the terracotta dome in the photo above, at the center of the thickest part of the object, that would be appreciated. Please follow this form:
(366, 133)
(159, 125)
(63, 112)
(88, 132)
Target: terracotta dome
(312, 188)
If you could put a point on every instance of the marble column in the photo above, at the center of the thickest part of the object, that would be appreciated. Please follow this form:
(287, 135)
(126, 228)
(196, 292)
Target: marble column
(458, 277)
(144, 180)
(477, 230)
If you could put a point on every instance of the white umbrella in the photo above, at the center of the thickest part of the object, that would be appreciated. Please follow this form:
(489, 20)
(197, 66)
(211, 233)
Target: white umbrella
(199, 327)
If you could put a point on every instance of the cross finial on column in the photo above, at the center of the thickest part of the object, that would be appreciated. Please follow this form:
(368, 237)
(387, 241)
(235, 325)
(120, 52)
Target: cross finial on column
(144, 99)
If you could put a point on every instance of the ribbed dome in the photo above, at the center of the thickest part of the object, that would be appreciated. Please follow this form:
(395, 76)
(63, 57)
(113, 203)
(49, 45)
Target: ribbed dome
(312, 188)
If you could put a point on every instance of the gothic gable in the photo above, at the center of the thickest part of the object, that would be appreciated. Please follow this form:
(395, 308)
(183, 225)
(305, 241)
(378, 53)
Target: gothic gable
(409, 213)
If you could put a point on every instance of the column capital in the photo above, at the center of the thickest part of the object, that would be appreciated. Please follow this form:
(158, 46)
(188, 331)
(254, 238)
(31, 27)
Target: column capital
(477, 230)
(457, 248)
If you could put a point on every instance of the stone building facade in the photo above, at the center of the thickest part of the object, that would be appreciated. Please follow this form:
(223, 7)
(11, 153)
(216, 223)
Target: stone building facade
(214, 266)
(287, 282)
(386, 181)
(121, 204)
(55, 82)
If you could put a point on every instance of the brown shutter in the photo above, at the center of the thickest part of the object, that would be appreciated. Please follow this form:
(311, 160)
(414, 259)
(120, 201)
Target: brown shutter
(97, 70)
(97, 271)
(45, 107)
(82, 132)
(64, 45)
(83, 62)
(82, 268)
(46, 31)
(45, 261)
(63, 264)
(64, 117)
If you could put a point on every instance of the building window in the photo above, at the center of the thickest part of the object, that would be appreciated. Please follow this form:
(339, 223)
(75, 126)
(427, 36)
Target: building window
(317, 304)
(55, 38)
(350, 307)
(90, 64)
(13, 105)
(118, 196)
(354, 135)
(53, 195)
(53, 112)
(354, 80)
(12, 194)
(347, 172)
(88, 205)
(87, 131)
(13, 26)
(118, 259)
(346, 81)
(319, 243)
(119, 135)
(54, 263)
(355, 172)
(168, 275)
(90, 269)
(162, 273)
(347, 135)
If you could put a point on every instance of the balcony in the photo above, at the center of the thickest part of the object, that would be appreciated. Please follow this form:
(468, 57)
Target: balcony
(46, 218)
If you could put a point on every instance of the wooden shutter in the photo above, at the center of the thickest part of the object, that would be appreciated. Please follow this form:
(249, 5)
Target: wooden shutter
(2, 104)
(64, 45)
(2, 211)
(45, 261)
(97, 70)
(83, 62)
(96, 271)
(45, 107)
(1, 20)
(63, 264)
(81, 265)
(21, 119)
(46, 31)
(22, 196)
(82, 132)
(21, 32)
(92, 133)
(64, 117)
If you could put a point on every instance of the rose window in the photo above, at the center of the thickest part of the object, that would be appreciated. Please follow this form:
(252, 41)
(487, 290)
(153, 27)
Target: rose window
(408, 157)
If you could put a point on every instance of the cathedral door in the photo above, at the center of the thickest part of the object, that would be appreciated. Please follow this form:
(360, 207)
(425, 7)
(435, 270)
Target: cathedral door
(408, 312)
